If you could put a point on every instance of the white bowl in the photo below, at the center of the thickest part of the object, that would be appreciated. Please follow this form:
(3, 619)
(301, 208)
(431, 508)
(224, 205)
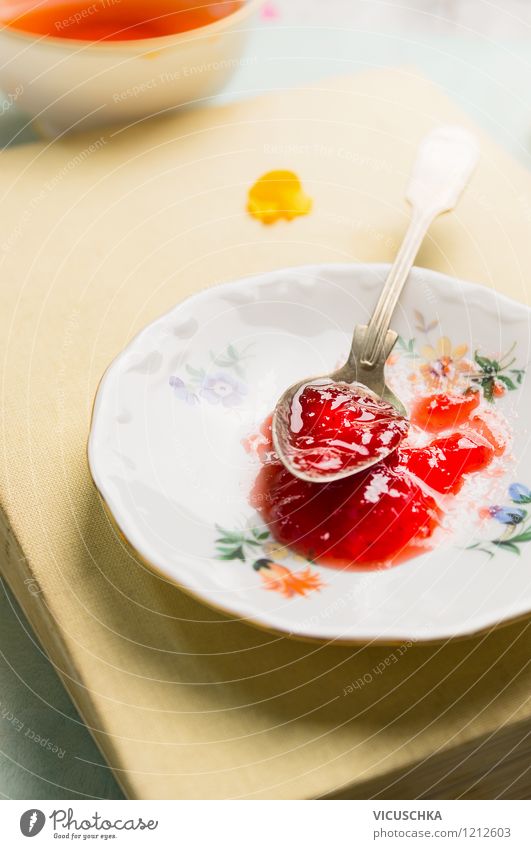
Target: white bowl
(171, 468)
(67, 84)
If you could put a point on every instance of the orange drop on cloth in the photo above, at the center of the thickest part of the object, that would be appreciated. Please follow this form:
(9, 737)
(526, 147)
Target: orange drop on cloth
(276, 195)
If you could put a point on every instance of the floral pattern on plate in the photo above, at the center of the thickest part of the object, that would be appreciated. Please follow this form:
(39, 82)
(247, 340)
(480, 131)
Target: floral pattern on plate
(247, 543)
(438, 366)
(221, 383)
(442, 365)
(515, 519)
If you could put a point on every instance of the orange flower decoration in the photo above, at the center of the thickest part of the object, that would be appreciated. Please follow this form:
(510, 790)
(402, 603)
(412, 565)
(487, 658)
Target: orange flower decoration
(276, 195)
(282, 580)
(444, 364)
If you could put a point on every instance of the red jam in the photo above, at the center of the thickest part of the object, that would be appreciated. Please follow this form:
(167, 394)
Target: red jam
(373, 518)
(335, 426)
(380, 516)
(443, 412)
(443, 464)
(488, 432)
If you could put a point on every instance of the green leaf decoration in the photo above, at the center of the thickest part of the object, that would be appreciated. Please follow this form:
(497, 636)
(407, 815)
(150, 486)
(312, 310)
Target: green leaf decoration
(231, 359)
(522, 537)
(230, 536)
(510, 384)
(477, 546)
(196, 373)
(234, 554)
(522, 499)
(220, 361)
(406, 347)
(488, 389)
(237, 545)
(492, 371)
(518, 374)
(484, 363)
(506, 544)
(259, 535)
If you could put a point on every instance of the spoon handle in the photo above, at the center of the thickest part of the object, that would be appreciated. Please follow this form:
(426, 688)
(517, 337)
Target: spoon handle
(445, 162)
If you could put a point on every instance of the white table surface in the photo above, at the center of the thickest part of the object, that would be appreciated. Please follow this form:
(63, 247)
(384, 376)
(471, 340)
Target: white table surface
(480, 52)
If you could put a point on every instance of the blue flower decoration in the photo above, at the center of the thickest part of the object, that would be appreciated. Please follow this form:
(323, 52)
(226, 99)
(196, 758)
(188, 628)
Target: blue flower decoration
(520, 493)
(508, 515)
(182, 391)
(223, 388)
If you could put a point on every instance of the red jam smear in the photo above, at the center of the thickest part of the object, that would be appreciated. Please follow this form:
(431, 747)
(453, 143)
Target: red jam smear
(443, 464)
(383, 515)
(444, 412)
(487, 430)
(335, 426)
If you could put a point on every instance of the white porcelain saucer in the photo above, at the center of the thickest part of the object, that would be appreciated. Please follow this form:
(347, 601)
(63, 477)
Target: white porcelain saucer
(172, 413)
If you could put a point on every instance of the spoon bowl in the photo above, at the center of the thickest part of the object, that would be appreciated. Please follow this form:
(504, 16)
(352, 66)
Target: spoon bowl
(351, 379)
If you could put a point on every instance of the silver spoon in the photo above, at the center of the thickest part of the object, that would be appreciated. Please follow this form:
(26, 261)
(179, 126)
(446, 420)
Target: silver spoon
(445, 161)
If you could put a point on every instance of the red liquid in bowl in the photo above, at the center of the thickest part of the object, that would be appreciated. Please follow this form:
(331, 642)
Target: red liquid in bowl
(113, 20)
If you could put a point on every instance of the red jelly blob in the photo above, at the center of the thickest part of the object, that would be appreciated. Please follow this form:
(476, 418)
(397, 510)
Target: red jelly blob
(386, 513)
(261, 443)
(489, 432)
(443, 411)
(334, 426)
(444, 464)
(378, 517)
